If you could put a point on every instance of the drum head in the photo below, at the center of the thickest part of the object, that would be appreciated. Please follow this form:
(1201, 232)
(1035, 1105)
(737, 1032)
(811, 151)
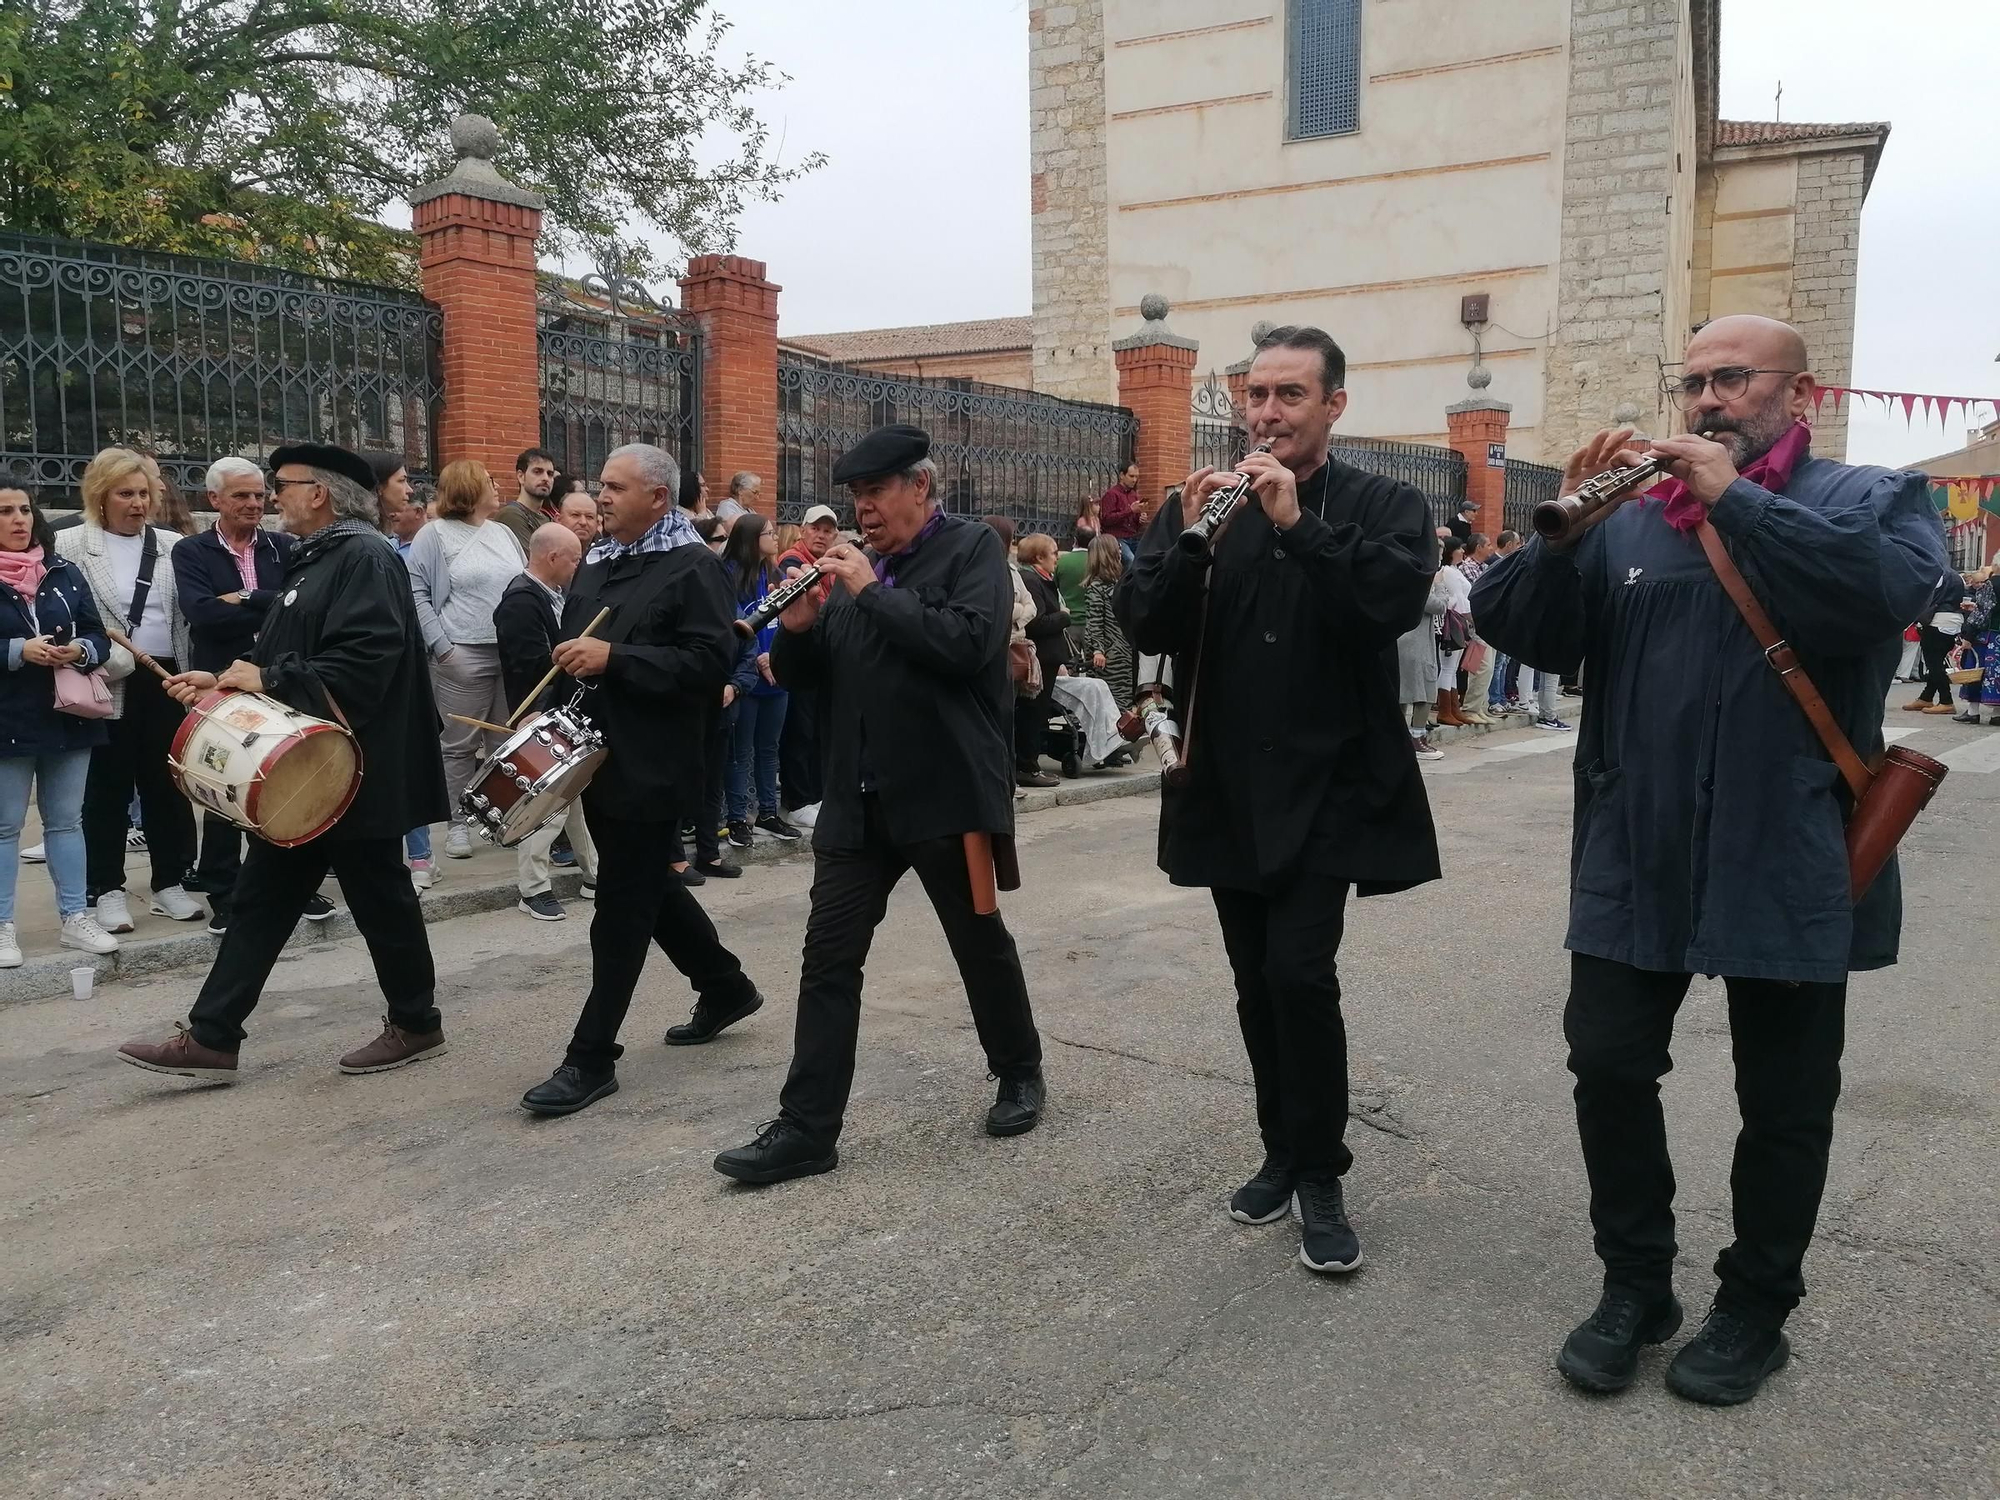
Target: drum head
(543, 807)
(306, 788)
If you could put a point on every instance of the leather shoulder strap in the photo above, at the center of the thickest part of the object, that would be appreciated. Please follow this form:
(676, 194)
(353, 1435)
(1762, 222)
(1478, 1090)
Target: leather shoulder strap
(1785, 662)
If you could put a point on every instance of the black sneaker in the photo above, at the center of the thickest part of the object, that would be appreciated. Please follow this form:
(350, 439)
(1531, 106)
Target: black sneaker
(1602, 1352)
(781, 1152)
(718, 868)
(777, 827)
(543, 908)
(218, 920)
(1267, 1197)
(739, 833)
(568, 1090)
(1728, 1360)
(688, 876)
(318, 908)
(1330, 1244)
(1017, 1107)
(704, 1022)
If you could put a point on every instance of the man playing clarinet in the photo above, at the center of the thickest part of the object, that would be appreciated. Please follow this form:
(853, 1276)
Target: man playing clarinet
(1301, 782)
(910, 655)
(1708, 823)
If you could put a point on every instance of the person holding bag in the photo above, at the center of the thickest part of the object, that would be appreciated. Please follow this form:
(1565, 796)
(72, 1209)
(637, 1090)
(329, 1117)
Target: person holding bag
(128, 565)
(54, 646)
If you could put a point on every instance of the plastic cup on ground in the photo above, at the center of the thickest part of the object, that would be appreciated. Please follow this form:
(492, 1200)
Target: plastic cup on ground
(80, 981)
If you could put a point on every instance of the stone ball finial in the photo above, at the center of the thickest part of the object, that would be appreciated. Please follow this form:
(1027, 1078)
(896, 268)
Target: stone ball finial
(1479, 377)
(1261, 330)
(475, 136)
(1153, 307)
(1625, 414)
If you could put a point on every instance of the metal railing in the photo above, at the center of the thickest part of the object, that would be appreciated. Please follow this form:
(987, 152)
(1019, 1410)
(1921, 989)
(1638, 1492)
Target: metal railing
(1438, 472)
(999, 451)
(613, 379)
(190, 360)
(1527, 486)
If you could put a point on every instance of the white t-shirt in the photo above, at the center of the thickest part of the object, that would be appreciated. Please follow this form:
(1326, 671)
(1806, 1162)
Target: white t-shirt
(151, 633)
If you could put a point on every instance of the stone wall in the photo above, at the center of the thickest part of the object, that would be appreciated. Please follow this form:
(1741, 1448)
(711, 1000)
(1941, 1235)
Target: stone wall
(1826, 240)
(1066, 123)
(1621, 145)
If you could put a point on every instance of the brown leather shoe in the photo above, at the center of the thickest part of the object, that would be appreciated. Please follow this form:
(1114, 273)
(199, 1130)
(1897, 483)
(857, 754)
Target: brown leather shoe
(392, 1049)
(1937, 708)
(182, 1055)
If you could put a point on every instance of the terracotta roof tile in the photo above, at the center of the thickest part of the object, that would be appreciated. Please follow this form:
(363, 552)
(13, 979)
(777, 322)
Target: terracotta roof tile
(1783, 132)
(922, 340)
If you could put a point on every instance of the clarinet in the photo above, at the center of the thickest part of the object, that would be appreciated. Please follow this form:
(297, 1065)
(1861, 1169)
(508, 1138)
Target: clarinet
(1562, 520)
(776, 602)
(1197, 538)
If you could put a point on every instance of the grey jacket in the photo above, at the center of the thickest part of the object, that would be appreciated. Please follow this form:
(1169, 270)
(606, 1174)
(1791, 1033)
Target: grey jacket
(84, 546)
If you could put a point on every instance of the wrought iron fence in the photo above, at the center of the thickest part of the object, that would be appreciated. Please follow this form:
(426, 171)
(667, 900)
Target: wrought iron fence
(1438, 472)
(999, 451)
(190, 360)
(610, 379)
(1528, 485)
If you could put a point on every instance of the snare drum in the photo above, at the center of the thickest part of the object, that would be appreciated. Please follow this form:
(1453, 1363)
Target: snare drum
(532, 777)
(282, 774)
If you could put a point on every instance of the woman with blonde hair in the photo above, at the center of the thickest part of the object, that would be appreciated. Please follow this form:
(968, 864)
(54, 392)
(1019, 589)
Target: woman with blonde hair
(1106, 653)
(459, 567)
(128, 565)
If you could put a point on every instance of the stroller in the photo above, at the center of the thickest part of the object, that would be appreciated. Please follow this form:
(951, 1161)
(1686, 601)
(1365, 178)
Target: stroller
(1063, 740)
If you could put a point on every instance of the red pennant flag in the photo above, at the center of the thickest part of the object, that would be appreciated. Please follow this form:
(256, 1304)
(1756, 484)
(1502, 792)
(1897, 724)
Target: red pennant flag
(1909, 407)
(1820, 393)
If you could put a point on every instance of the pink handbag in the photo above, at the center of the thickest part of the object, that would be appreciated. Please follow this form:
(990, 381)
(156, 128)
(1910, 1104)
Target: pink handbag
(83, 694)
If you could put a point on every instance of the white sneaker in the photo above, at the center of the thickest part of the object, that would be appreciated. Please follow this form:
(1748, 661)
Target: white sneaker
(805, 817)
(458, 842)
(422, 876)
(135, 838)
(82, 931)
(10, 947)
(34, 854)
(175, 902)
(112, 914)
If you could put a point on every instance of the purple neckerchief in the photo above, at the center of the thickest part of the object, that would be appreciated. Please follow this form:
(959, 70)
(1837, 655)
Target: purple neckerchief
(885, 567)
(1773, 471)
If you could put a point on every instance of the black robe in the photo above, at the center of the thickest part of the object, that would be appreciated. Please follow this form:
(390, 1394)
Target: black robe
(343, 624)
(916, 696)
(1300, 760)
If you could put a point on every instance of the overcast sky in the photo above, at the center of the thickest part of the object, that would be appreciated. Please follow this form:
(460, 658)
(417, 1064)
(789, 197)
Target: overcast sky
(921, 215)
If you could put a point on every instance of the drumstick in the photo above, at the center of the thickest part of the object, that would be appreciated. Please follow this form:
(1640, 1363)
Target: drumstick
(139, 656)
(550, 676)
(480, 724)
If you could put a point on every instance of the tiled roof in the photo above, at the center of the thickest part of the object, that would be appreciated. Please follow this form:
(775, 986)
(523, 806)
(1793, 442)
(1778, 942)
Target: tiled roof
(979, 336)
(1785, 132)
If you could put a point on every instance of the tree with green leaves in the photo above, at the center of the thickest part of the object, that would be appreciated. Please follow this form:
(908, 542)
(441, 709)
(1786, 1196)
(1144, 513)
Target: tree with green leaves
(279, 130)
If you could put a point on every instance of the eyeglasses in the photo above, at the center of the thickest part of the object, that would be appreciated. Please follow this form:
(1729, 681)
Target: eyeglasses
(278, 484)
(1727, 383)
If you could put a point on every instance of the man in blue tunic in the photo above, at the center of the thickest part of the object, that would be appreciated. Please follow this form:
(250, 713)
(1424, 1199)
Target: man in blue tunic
(1709, 824)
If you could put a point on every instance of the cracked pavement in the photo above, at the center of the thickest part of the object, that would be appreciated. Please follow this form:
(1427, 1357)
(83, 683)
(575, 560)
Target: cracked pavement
(312, 1285)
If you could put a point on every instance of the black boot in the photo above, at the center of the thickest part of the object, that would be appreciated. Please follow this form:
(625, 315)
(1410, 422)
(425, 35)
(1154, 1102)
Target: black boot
(704, 1021)
(568, 1090)
(1329, 1244)
(1728, 1360)
(1017, 1108)
(780, 1152)
(1267, 1197)
(1602, 1353)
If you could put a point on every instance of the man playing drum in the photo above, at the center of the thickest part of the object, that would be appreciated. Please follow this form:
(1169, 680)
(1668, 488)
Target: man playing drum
(340, 642)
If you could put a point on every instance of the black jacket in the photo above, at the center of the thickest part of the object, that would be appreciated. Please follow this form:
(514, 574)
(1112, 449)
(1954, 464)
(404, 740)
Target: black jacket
(1051, 620)
(672, 646)
(1300, 759)
(524, 628)
(204, 571)
(65, 612)
(916, 696)
(344, 624)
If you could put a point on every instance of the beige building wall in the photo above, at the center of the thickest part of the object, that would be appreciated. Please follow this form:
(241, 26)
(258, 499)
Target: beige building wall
(1072, 304)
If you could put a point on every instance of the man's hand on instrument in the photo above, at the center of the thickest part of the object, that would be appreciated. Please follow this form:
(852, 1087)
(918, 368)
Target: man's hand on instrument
(850, 565)
(1700, 463)
(1275, 487)
(1613, 448)
(584, 657)
(243, 676)
(185, 688)
(1195, 490)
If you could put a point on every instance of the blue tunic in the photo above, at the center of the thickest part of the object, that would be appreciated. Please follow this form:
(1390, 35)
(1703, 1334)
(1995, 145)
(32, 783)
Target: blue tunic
(1709, 834)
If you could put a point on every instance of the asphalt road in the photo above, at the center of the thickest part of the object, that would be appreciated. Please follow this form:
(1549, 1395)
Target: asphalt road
(309, 1284)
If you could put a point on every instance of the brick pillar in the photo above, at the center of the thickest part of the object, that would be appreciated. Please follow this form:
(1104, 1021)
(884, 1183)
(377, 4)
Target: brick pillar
(1156, 383)
(738, 309)
(477, 232)
(1476, 427)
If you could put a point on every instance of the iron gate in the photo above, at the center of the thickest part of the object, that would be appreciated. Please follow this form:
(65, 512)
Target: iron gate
(611, 380)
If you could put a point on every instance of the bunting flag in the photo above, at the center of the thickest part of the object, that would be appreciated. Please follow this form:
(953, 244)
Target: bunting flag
(1944, 406)
(1963, 497)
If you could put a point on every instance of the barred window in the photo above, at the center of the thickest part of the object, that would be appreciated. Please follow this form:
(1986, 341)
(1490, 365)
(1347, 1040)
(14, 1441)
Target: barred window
(1325, 66)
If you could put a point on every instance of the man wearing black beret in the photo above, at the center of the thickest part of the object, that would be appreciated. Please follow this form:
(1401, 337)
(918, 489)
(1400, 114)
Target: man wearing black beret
(340, 642)
(910, 652)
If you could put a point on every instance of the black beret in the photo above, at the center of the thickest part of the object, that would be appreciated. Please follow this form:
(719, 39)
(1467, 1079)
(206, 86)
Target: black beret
(886, 450)
(325, 456)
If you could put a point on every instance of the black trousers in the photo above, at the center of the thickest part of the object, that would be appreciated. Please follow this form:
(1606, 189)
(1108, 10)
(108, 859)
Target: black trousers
(850, 895)
(1031, 727)
(271, 893)
(639, 902)
(1787, 1041)
(799, 774)
(709, 812)
(1284, 951)
(136, 756)
(1936, 646)
(221, 858)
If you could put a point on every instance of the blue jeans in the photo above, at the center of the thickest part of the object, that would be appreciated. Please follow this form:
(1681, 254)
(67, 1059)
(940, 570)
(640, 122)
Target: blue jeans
(58, 779)
(760, 720)
(417, 842)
